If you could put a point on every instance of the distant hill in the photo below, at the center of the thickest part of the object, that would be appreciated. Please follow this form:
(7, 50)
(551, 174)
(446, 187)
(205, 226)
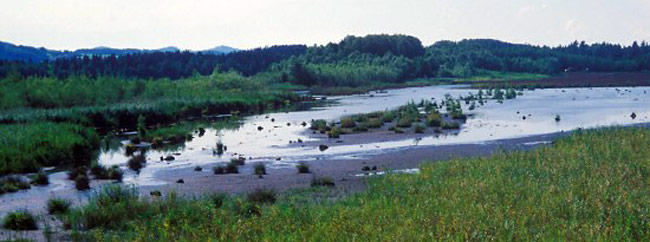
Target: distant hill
(222, 49)
(12, 52)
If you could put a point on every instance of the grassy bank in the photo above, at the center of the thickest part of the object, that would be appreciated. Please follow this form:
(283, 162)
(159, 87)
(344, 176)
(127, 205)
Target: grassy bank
(28, 147)
(589, 186)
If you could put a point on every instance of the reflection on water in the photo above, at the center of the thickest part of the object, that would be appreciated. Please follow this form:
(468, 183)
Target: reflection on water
(266, 137)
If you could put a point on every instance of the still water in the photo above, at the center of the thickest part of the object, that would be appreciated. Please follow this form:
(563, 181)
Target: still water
(577, 107)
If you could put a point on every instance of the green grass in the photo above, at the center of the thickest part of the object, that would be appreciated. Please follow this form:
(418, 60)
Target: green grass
(589, 186)
(28, 147)
(20, 220)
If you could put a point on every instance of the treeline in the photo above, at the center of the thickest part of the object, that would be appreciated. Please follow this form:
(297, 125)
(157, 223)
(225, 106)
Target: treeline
(354, 61)
(153, 65)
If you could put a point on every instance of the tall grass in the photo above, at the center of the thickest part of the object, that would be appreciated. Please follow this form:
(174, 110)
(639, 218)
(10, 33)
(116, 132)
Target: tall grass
(589, 186)
(28, 147)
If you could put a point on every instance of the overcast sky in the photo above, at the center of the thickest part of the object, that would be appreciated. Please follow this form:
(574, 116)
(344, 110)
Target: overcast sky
(202, 24)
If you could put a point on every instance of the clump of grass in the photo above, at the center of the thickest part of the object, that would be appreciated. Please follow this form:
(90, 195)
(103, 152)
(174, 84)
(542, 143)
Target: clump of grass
(261, 195)
(260, 169)
(232, 168)
(450, 125)
(240, 161)
(303, 167)
(334, 133)
(41, 179)
(100, 172)
(78, 171)
(388, 116)
(229, 168)
(434, 119)
(219, 170)
(318, 124)
(136, 162)
(405, 122)
(419, 128)
(19, 220)
(361, 128)
(348, 123)
(12, 184)
(82, 183)
(374, 123)
(322, 182)
(57, 206)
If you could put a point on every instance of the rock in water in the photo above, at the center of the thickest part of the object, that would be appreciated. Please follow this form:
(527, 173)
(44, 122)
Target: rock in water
(323, 147)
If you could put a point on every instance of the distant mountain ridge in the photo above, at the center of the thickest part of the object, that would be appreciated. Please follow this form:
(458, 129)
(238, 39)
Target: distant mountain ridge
(12, 52)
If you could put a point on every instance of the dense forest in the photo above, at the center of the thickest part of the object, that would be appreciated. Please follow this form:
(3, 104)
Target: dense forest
(354, 61)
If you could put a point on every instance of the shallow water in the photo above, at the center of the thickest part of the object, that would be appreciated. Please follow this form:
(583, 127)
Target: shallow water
(577, 107)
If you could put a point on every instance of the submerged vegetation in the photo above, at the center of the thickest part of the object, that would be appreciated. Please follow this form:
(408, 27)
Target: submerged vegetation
(547, 193)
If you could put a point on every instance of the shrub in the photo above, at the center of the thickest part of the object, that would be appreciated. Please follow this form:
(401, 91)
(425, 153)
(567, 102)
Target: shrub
(322, 182)
(198, 168)
(260, 169)
(41, 179)
(57, 206)
(303, 167)
(260, 195)
(419, 128)
(398, 130)
(348, 123)
(82, 183)
(20, 220)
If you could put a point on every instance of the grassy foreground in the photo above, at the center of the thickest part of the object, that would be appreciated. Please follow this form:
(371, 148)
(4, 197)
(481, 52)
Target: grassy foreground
(589, 186)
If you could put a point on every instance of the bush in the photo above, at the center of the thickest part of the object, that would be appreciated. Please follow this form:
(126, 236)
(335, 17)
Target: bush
(322, 182)
(419, 128)
(58, 206)
(303, 167)
(260, 169)
(41, 179)
(20, 220)
(348, 123)
(260, 195)
(82, 183)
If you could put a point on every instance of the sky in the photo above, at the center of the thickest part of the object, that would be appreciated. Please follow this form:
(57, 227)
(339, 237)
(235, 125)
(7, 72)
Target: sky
(203, 24)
